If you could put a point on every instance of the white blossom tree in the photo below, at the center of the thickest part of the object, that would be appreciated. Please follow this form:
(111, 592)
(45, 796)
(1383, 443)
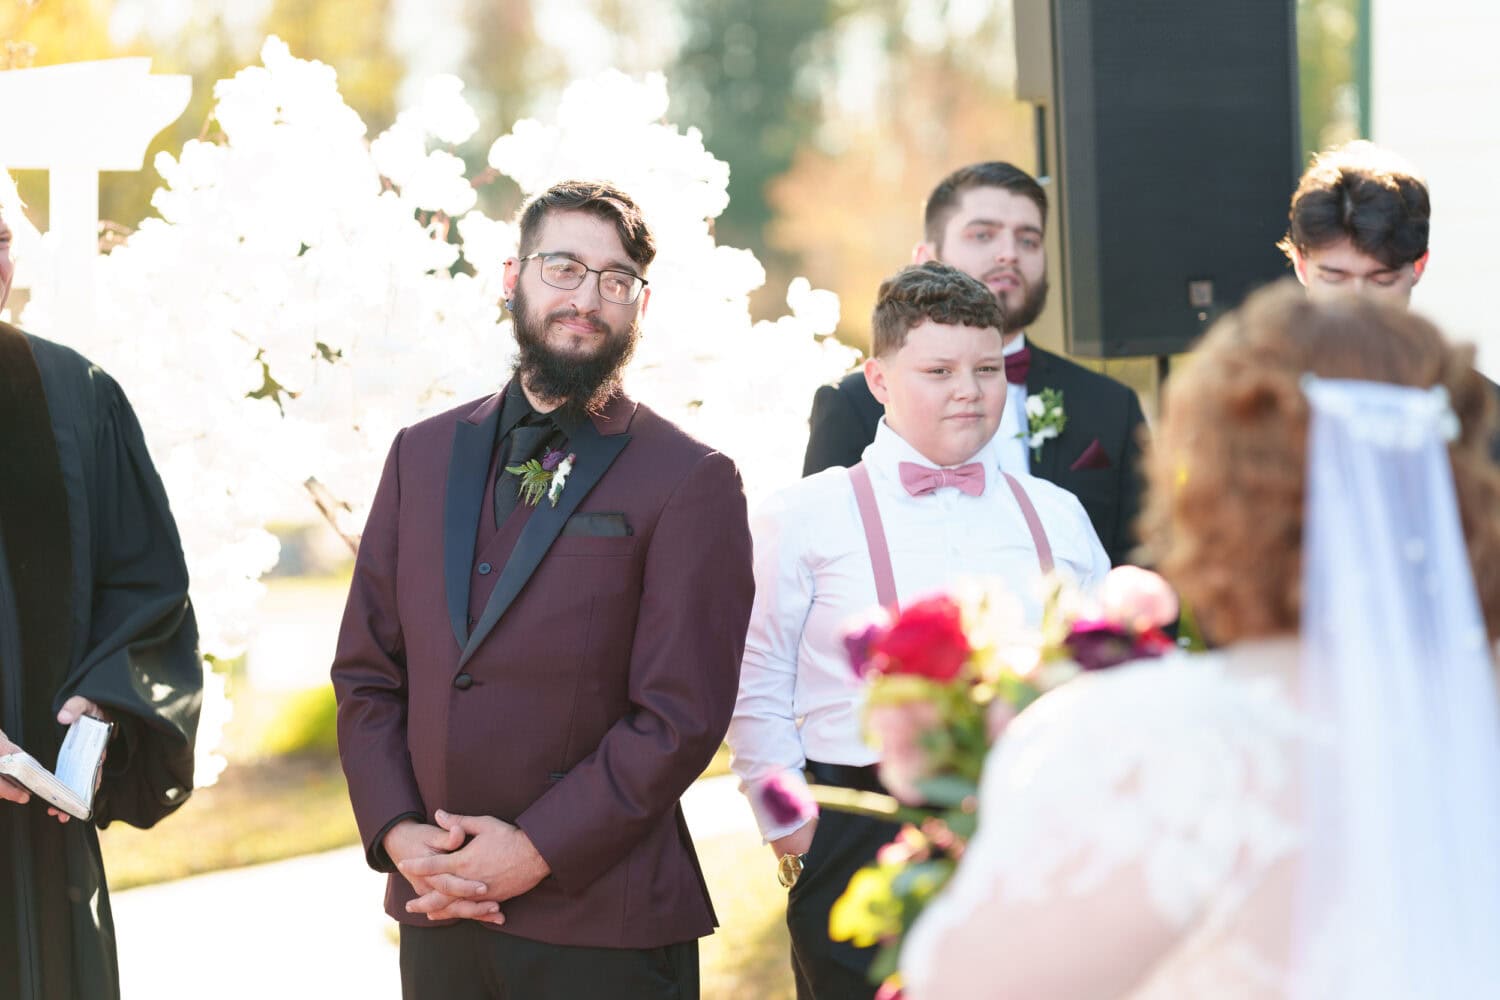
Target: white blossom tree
(303, 295)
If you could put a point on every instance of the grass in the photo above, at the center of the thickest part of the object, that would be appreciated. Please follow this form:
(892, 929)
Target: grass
(749, 954)
(283, 807)
(264, 811)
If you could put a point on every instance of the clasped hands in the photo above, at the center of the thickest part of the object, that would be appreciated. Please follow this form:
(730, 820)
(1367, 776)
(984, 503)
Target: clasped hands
(67, 715)
(458, 880)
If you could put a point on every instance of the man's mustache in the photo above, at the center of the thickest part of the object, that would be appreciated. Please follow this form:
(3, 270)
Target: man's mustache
(571, 312)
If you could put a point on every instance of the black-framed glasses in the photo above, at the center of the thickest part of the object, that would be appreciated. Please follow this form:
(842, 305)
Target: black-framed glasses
(561, 271)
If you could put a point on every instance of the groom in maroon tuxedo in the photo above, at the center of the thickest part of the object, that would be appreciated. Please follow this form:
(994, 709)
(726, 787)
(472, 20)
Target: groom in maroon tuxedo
(541, 649)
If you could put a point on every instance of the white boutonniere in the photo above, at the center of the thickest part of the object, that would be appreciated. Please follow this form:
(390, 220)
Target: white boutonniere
(560, 478)
(1045, 419)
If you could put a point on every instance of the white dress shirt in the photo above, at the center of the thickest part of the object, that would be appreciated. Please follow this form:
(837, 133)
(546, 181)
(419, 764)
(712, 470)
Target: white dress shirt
(1015, 457)
(798, 697)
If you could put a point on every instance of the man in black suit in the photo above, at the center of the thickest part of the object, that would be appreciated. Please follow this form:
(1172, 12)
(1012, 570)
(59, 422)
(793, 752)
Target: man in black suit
(988, 220)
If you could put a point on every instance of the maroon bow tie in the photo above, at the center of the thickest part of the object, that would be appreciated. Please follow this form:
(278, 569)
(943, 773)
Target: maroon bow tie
(921, 480)
(1017, 365)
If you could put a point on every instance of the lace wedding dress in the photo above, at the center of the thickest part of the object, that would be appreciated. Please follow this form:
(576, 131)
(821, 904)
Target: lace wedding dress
(1138, 838)
(1307, 818)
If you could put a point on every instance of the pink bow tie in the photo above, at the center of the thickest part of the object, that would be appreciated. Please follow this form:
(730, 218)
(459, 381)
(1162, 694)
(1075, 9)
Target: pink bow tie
(921, 480)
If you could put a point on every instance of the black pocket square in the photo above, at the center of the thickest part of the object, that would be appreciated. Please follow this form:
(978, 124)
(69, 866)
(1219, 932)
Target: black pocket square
(596, 525)
(1093, 457)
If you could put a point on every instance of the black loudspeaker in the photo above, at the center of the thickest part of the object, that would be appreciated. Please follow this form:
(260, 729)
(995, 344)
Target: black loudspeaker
(1169, 130)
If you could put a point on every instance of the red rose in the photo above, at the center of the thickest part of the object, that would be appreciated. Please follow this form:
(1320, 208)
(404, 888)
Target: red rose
(927, 640)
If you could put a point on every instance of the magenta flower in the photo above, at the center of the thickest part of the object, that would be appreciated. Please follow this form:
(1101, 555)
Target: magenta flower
(859, 645)
(787, 803)
(551, 459)
(1098, 645)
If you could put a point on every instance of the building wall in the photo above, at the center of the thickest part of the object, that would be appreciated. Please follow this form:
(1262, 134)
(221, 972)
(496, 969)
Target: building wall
(1435, 99)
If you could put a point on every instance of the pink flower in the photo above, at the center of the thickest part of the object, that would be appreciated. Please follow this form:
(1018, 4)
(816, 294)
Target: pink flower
(888, 991)
(903, 762)
(1137, 599)
(787, 802)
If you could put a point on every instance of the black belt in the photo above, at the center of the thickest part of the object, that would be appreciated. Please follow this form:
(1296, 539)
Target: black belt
(861, 779)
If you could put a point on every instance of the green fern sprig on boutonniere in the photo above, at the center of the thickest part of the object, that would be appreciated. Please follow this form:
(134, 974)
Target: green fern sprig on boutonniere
(543, 477)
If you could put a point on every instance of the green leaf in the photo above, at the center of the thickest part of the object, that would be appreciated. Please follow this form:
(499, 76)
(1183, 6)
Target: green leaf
(919, 882)
(887, 962)
(947, 790)
(962, 824)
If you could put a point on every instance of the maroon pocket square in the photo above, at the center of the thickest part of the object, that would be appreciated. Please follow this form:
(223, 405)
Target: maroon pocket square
(1093, 457)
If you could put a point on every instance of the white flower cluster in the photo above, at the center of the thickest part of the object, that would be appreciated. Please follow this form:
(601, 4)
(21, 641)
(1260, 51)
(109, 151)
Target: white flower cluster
(294, 254)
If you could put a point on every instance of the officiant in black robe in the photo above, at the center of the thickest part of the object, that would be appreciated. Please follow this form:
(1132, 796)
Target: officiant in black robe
(94, 605)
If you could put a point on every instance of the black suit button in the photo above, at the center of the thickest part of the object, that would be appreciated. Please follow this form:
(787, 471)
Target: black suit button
(472, 620)
(484, 569)
(463, 682)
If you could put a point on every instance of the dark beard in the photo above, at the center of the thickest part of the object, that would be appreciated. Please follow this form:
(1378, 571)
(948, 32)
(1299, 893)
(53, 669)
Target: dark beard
(583, 384)
(1031, 307)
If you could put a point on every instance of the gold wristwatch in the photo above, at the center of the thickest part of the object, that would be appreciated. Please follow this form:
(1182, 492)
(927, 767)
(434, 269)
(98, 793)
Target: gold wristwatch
(789, 869)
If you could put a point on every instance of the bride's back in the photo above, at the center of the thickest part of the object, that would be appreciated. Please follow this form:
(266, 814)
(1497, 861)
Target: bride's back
(1181, 828)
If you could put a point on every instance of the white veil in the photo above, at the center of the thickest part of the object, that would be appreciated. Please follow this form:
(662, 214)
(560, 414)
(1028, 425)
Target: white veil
(1400, 884)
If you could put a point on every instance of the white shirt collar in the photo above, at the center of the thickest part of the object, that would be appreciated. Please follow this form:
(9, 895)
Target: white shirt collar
(1016, 346)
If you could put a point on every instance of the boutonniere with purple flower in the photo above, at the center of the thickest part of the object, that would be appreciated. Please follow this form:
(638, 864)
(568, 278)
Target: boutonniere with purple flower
(543, 477)
(1045, 420)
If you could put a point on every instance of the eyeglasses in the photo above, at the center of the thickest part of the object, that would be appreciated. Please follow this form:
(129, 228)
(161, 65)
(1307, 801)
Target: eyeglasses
(561, 271)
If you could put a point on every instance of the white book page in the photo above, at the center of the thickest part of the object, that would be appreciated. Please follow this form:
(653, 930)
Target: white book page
(82, 750)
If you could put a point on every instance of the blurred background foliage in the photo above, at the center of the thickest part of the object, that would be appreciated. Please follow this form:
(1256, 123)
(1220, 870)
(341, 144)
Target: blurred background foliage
(836, 116)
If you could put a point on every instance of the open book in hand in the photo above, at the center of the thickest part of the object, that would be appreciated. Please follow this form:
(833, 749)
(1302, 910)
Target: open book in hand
(71, 789)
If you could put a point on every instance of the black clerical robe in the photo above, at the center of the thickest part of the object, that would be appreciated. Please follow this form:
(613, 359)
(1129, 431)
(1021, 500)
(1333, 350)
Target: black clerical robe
(93, 602)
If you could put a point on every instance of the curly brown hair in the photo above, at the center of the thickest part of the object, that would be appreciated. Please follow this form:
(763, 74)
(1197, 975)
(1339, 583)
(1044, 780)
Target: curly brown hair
(1223, 516)
(930, 291)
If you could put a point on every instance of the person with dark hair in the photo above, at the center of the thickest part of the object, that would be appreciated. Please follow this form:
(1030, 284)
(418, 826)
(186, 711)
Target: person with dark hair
(94, 620)
(1358, 224)
(541, 649)
(1062, 422)
(1311, 809)
(928, 505)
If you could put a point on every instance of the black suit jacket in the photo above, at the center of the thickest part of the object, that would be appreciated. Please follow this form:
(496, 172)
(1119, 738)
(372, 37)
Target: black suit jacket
(1099, 409)
(1494, 441)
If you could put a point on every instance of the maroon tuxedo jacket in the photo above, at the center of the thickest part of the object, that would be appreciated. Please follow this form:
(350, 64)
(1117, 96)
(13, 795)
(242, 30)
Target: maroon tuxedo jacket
(559, 674)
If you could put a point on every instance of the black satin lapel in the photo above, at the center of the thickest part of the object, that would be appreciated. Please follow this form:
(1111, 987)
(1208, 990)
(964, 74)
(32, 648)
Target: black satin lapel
(1043, 466)
(473, 444)
(593, 453)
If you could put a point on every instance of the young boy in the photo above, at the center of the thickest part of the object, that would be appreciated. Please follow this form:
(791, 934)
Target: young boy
(927, 507)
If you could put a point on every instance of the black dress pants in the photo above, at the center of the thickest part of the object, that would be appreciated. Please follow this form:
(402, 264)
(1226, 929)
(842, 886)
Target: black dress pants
(844, 843)
(469, 961)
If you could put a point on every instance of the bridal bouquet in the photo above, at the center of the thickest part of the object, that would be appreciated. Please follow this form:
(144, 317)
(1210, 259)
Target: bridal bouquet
(945, 676)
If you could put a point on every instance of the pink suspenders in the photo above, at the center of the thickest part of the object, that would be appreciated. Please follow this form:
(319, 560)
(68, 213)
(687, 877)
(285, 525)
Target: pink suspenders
(1033, 522)
(880, 552)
